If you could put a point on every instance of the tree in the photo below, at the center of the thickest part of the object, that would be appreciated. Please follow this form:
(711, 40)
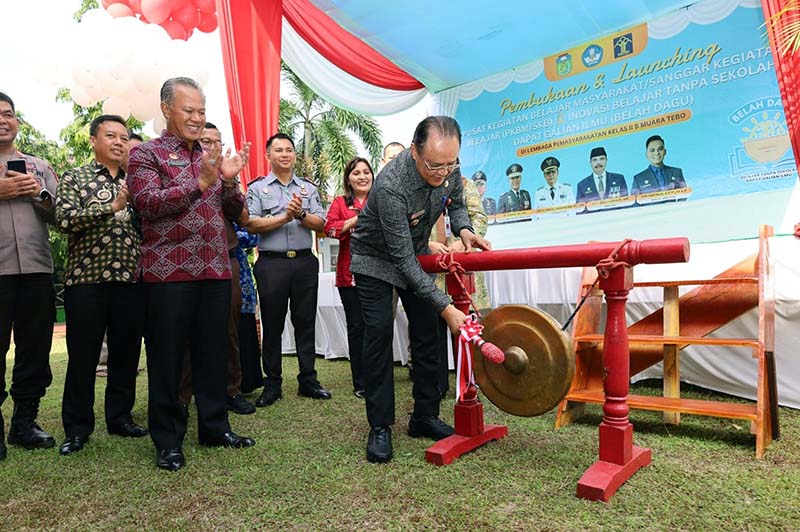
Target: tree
(324, 130)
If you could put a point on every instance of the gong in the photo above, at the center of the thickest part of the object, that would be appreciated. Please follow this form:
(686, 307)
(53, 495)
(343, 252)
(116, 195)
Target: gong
(539, 362)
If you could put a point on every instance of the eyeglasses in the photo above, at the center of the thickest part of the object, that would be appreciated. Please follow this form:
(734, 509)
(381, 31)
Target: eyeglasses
(437, 168)
(210, 142)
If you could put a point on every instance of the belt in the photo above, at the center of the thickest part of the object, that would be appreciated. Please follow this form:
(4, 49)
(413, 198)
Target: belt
(290, 254)
(232, 253)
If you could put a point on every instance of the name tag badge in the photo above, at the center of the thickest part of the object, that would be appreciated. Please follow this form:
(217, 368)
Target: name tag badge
(179, 164)
(447, 230)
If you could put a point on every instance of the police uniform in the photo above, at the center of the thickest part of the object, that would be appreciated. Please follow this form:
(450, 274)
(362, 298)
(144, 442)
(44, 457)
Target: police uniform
(287, 275)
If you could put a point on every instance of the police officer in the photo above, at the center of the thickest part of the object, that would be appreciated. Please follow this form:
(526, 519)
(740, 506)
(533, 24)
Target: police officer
(515, 199)
(284, 211)
(553, 193)
(489, 204)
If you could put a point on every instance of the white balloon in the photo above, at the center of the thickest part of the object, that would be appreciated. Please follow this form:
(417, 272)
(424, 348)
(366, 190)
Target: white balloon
(95, 93)
(80, 97)
(116, 106)
(159, 124)
(143, 106)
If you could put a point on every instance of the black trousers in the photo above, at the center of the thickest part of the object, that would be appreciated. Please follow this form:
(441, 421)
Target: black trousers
(28, 306)
(423, 322)
(444, 370)
(292, 283)
(93, 309)
(250, 354)
(355, 333)
(191, 314)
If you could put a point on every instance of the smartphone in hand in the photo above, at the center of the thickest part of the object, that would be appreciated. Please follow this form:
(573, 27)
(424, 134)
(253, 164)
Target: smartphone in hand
(17, 166)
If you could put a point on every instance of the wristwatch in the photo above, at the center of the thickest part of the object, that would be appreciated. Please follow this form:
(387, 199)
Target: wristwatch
(43, 195)
(302, 215)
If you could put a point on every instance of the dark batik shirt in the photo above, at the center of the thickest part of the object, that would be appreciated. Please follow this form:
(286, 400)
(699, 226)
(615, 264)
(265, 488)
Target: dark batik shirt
(396, 223)
(103, 245)
(183, 229)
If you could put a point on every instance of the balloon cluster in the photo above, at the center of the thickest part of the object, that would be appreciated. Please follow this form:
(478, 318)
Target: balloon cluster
(179, 18)
(127, 65)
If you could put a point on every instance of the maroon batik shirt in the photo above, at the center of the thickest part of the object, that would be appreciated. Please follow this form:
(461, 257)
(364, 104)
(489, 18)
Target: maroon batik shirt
(183, 229)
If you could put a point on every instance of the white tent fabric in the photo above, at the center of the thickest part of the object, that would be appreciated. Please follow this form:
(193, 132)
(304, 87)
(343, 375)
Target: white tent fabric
(728, 370)
(336, 85)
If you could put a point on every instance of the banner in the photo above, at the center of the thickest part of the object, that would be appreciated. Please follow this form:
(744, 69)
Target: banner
(671, 128)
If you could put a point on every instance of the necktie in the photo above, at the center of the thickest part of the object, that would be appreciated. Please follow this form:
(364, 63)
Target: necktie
(660, 176)
(601, 187)
(552, 193)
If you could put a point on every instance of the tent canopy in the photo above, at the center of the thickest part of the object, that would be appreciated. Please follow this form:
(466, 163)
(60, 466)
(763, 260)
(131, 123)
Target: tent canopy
(446, 44)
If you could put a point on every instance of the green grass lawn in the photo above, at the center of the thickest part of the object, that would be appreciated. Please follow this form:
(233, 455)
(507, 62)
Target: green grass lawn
(308, 471)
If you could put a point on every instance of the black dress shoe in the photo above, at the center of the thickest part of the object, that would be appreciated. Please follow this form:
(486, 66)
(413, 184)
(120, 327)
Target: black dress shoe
(269, 395)
(239, 405)
(379, 445)
(128, 430)
(73, 444)
(29, 434)
(313, 390)
(229, 439)
(429, 426)
(170, 459)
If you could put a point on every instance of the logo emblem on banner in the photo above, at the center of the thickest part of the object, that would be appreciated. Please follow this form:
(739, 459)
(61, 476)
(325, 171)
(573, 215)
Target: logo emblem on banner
(623, 45)
(765, 140)
(592, 55)
(564, 64)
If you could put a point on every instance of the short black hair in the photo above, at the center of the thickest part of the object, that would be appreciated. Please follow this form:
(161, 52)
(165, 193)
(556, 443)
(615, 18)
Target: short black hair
(445, 125)
(135, 136)
(276, 136)
(6, 98)
(209, 125)
(394, 143)
(651, 139)
(105, 118)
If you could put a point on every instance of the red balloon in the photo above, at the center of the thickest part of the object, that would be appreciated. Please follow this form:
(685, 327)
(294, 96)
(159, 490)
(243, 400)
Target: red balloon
(208, 22)
(136, 5)
(206, 6)
(119, 10)
(188, 15)
(175, 30)
(156, 11)
(143, 19)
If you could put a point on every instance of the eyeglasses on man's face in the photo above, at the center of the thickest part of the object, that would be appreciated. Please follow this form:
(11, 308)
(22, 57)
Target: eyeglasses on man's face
(439, 168)
(211, 142)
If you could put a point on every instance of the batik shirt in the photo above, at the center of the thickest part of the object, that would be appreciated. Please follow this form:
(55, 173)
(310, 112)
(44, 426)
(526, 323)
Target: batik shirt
(103, 245)
(183, 228)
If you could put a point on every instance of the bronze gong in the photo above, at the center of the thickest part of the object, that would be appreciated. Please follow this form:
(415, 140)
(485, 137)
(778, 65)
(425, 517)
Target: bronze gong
(539, 364)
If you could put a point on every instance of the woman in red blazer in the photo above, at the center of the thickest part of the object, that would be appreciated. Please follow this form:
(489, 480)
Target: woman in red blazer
(340, 223)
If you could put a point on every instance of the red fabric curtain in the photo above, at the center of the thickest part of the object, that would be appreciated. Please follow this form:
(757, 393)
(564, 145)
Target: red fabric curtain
(787, 69)
(251, 54)
(343, 49)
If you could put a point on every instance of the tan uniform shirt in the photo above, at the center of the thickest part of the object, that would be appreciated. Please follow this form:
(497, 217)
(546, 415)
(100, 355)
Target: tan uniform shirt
(24, 244)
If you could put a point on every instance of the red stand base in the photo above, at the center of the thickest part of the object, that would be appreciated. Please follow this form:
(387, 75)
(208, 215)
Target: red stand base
(470, 434)
(445, 451)
(602, 479)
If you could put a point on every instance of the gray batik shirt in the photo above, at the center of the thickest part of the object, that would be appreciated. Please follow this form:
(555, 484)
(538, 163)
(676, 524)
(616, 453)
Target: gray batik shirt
(396, 223)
